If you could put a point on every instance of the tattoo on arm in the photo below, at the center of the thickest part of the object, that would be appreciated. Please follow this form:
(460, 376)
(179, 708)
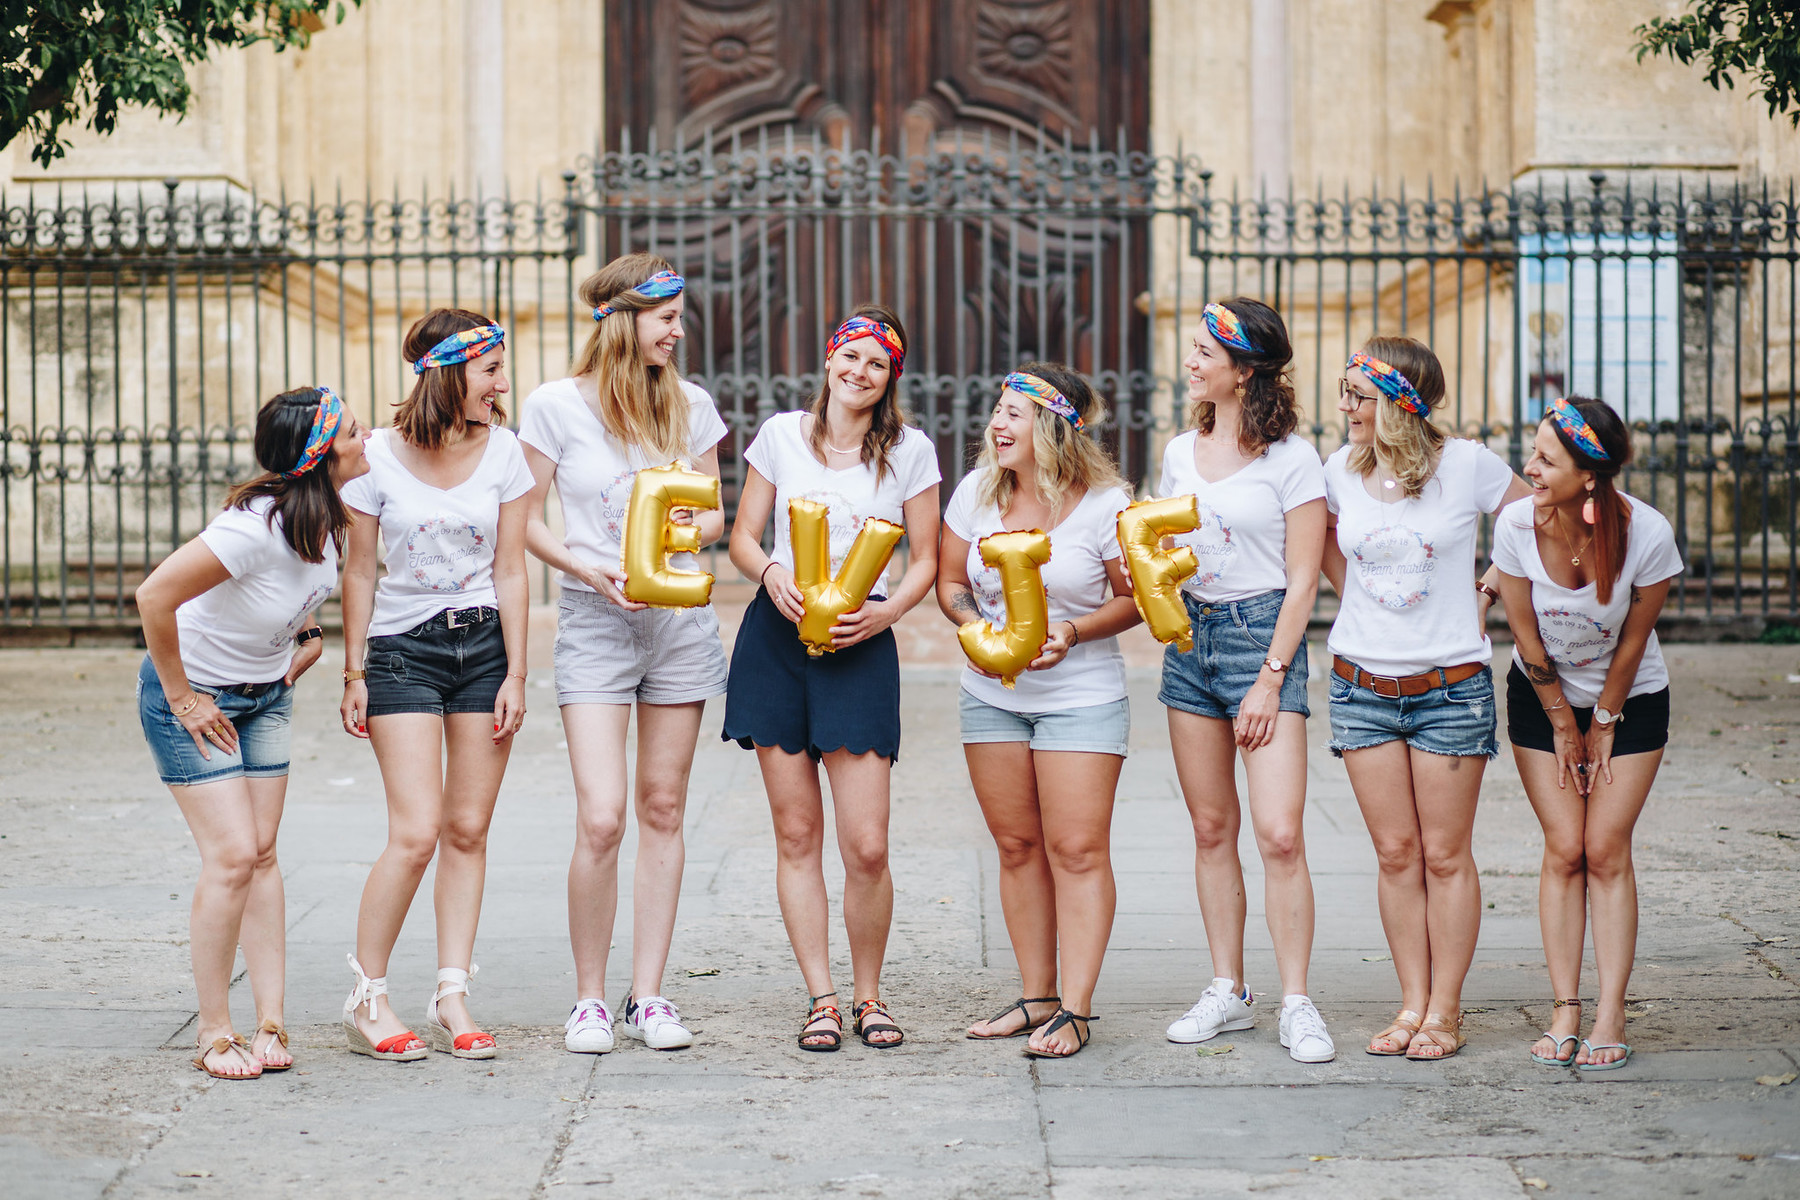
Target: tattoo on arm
(962, 600)
(1543, 675)
(1636, 595)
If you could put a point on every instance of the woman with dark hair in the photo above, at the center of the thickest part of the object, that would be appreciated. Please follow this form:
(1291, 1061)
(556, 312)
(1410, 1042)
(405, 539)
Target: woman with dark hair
(229, 622)
(1240, 692)
(1412, 697)
(855, 453)
(1584, 570)
(624, 407)
(434, 664)
(1045, 755)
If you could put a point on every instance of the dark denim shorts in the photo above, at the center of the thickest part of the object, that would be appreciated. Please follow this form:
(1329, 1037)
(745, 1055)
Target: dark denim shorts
(1230, 642)
(1645, 726)
(1457, 720)
(433, 669)
(259, 712)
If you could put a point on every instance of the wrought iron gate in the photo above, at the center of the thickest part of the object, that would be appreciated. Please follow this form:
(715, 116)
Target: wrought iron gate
(141, 329)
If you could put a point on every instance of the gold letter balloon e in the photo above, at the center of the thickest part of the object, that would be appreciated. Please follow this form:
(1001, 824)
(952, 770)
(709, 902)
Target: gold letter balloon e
(826, 599)
(650, 537)
(1156, 574)
(1008, 650)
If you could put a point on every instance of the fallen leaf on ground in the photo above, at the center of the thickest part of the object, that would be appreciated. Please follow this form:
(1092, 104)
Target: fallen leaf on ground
(702, 972)
(946, 899)
(1210, 1051)
(1542, 1185)
(1777, 1080)
(954, 1142)
(1378, 958)
(193, 1174)
(1323, 1157)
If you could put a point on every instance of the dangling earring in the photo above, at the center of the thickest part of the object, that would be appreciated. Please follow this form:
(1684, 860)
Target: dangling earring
(1238, 391)
(1587, 506)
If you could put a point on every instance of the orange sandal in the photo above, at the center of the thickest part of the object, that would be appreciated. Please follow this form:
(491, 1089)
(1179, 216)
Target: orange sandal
(822, 1012)
(451, 981)
(402, 1047)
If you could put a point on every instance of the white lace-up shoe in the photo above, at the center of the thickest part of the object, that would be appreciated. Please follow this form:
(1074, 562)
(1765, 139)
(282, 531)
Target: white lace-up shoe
(1220, 1008)
(589, 1029)
(654, 1022)
(1303, 1032)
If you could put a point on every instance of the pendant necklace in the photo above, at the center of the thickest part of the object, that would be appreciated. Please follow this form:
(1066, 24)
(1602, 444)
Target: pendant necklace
(1574, 554)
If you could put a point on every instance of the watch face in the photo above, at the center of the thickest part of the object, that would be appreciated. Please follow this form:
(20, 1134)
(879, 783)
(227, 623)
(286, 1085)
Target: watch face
(1274, 664)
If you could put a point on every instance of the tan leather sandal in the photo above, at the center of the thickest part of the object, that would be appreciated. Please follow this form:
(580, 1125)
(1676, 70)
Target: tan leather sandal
(233, 1044)
(1438, 1034)
(1407, 1024)
(278, 1033)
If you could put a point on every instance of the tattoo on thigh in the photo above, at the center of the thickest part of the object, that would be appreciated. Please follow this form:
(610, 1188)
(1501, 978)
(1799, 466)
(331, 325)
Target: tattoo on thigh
(1541, 675)
(962, 600)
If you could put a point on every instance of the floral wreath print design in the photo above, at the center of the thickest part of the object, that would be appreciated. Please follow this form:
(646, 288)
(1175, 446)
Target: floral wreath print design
(1429, 557)
(1605, 634)
(313, 599)
(1210, 518)
(615, 500)
(435, 529)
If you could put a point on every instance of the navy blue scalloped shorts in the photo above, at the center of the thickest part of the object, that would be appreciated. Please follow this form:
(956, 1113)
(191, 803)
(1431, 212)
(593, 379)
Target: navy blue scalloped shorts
(778, 695)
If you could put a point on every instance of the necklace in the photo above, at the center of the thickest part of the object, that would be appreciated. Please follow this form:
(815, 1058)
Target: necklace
(1574, 554)
(841, 450)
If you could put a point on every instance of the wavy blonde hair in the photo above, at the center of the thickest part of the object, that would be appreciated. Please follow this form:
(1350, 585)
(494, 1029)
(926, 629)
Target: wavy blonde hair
(1069, 460)
(1406, 446)
(639, 404)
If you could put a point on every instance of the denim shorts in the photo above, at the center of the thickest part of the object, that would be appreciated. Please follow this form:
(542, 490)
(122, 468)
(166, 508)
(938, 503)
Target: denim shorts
(432, 668)
(1231, 639)
(258, 711)
(1092, 729)
(1457, 720)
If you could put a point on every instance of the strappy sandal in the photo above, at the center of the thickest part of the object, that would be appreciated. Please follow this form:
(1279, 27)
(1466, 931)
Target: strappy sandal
(864, 1027)
(478, 1044)
(280, 1034)
(1019, 1007)
(1431, 1031)
(402, 1047)
(1063, 1017)
(234, 1044)
(822, 1012)
(1558, 1040)
(1407, 1023)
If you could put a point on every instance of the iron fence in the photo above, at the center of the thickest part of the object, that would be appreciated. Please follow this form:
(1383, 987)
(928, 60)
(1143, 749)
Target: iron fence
(141, 328)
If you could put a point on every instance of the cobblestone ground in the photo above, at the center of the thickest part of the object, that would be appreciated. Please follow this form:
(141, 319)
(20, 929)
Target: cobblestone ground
(97, 1098)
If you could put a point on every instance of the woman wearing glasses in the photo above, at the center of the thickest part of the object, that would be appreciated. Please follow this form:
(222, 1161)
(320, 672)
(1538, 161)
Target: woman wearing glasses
(1412, 697)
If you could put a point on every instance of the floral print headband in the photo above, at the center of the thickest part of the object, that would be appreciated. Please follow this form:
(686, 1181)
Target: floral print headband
(659, 286)
(461, 347)
(862, 327)
(1225, 326)
(1392, 383)
(324, 431)
(1044, 394)
(1574, 426)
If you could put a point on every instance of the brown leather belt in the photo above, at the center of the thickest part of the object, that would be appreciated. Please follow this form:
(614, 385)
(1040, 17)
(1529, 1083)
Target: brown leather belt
(1393, 686)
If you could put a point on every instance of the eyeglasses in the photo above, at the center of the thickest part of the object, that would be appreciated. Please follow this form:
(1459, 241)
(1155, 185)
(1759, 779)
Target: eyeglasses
(1345, 391)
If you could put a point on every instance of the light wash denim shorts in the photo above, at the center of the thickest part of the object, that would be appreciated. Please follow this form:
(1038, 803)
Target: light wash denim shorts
(1092, 729)
(1231, 639)
(607, 655)
(258, 711)
(1457, 720)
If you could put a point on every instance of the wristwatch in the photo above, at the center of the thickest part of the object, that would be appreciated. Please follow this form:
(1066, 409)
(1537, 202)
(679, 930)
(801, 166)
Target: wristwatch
(307, 635)
(1605, 716)
(1275, 664)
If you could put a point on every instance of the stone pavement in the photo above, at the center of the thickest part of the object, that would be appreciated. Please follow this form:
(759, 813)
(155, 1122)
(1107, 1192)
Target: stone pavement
(97, 1099)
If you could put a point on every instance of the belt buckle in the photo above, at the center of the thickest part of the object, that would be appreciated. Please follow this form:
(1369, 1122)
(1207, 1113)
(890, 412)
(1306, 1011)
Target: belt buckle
(450, 621)
(1391, 680)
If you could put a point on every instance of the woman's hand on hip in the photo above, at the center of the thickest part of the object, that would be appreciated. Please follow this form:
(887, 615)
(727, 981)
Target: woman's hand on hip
(208, 726)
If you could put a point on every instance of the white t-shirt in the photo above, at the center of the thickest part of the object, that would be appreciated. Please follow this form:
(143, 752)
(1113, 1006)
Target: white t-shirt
(781, 454)
(1409, 579)
(1242, 539)
(243, 630)
(438, 544)
(595, 471)
(1580, 633)
(1075, 584)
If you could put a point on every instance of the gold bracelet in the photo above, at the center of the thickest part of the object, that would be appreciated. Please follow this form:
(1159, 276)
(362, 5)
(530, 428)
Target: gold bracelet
(190, 706)
(515, 675)
(353, 676)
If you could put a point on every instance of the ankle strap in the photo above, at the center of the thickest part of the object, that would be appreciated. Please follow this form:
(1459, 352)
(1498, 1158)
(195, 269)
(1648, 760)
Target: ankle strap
(451, 980)
(1575, 1003)
(366, 989)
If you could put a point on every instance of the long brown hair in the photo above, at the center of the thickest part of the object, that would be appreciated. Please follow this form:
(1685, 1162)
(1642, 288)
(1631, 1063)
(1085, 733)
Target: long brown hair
(639, 404)
(433, 410)
(887, 424)
(1268, 411)
(309, 506)
(1068, 459)
(1406, 445)
(1612, 512)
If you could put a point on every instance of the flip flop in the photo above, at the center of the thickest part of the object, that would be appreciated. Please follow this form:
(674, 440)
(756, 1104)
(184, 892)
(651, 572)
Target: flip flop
(1557, 1062)
(1607, 1066)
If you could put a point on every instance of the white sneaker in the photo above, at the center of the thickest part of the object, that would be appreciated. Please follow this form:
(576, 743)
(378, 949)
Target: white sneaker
(654, 1021)
(589, 1029)
(1303, 1032)
(1219, 1009)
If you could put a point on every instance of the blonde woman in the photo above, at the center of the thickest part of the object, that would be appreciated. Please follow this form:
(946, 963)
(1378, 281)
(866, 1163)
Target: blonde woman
(1044, 756)
(1412, 696)
(623, 408)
